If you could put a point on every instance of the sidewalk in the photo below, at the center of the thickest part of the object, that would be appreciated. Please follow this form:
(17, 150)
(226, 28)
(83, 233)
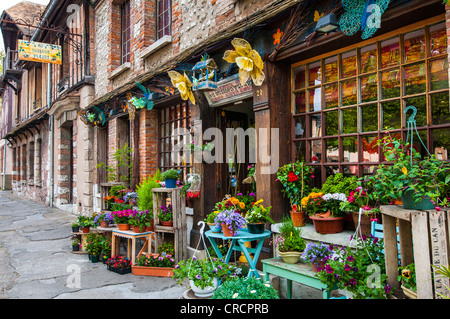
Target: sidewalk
(36, 260)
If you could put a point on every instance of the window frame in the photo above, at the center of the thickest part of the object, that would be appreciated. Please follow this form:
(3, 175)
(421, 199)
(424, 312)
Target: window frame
(166, 28)
(125, 32)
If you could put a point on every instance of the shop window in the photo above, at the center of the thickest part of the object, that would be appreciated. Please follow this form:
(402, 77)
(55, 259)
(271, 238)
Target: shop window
(343, 103)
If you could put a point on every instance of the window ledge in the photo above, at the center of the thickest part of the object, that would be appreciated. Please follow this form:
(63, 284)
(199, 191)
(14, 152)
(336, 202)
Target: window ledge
(160, 43)
(119, 70)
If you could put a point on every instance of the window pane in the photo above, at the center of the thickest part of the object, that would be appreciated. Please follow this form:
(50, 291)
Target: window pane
(331, 92)
(368, 169)
(439, 74)
(370, 148)
(418, 146)
(369, 58)
(332, 150)
(315, 74)
(391, 115)
(390, 53)
(300, 150)
(349, 120)
(299, 78)
(299, 129)
(349, 148)
(369, 114)
(440, 108)
(390, 84)
(331, 69)
(369, 88)
(350, 170)
(331, 170)
(414, 43)
(440, 143)
(315, 99)
(316, 125)
(438, 39)
(316, 151)
(349, 64)
(331, 123)
(415, 79)
(300, 102)
(349, 92)
(420, 103)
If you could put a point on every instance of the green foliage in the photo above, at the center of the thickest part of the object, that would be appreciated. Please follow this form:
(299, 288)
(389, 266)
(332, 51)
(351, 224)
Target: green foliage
(167, 247)
(444, 271)
(170, 174)
(339, 183)
(122, 159)
(295, 179)
(407, 276)
(153, 260)
(245, 288)
(290, 238)
(96, 243)
(145, 193)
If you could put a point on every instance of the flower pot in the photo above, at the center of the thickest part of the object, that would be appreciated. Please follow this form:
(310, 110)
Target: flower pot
(318, 266)
(257, 228)
(137, 230)
(290, 257)
(123, 226)
(75, 229)
(411, 294)
(85, 230)
(104, 224)
(75, 247)
(408, 201)
(170, 183)
(365, 224)
(298, 218)
(190, 202)
(152, 271)
(204, 292)
(94, 258)
(168, 223)
(215, 228)
(151, 227)
(329, 225)
(227, 232)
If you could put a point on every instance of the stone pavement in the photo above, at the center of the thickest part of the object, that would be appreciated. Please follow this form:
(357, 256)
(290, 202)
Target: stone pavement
(36, 260)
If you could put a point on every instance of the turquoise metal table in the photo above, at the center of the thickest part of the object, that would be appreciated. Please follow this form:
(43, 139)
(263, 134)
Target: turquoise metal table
(238, 244)
(300, 272)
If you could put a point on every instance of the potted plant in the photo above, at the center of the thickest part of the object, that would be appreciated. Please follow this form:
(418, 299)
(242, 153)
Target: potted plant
(420, 183)
(210, 220)
(119, 264)
(326, 214)
(295, 179)
(106, 249)
(75, 226)
(231, 221)
(94, 246)
(85, 223)
(317, 255)
(166, 248)
(145, 194)
(407, 279)
(352, 269)
(257, 217)
(289, 243)
(131, 198)
(203, 274)
(104, 219)
(75, 244)
(170, 178)
(190, 196)
(138, 221)
(154, 265)
(245, 288)
(165, 215)
(121, 218)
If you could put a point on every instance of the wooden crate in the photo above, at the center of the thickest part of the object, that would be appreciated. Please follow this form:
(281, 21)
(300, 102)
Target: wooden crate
(424, 239)
(179, 229)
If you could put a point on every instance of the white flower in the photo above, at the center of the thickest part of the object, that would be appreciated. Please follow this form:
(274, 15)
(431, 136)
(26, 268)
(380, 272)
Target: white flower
(235, 295)
(253, 291)
(267, 285)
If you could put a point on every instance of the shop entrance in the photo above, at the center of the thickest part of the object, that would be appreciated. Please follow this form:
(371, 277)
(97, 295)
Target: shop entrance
(234, 168)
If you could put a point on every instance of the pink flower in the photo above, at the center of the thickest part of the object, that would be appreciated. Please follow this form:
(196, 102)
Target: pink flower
(438, 208)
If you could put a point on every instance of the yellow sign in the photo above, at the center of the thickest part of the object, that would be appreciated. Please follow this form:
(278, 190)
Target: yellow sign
(39, 52)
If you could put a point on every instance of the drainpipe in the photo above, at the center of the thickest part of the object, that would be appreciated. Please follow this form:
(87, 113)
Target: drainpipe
(52, 131)
(4, 167)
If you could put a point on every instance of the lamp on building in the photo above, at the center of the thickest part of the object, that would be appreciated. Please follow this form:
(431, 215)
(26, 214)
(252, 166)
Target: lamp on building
(327, 23)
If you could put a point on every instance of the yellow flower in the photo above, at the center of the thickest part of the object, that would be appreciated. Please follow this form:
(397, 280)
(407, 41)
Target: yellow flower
(404, 170)
(242, 205)
(183, 84)
(248, 60)
(258, 202)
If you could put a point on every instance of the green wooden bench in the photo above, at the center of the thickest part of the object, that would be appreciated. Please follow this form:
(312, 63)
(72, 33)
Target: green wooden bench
(300, 272)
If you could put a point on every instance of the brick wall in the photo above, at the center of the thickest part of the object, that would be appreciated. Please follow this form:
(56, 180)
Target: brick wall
(148, 143)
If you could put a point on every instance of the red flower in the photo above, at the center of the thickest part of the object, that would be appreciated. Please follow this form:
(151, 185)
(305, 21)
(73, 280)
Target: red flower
(292, 177)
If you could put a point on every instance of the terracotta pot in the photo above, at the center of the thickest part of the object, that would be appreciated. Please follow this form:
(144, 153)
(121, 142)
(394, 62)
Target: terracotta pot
(365, 225)
(298, 218)
(318, 266)
(123, 226)
(137, 230)
(86, 230)
(152, 271)
(227, 232)
(329, 225)
(290, 257)
(104, 224)
(167, 223)
(151, 227)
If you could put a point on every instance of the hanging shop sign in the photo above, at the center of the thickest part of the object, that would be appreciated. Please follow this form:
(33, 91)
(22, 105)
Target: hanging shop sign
(39, 52)
(228, 91)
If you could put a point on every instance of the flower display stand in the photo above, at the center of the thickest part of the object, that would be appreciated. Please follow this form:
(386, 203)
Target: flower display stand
(424, 237)
(161, 196)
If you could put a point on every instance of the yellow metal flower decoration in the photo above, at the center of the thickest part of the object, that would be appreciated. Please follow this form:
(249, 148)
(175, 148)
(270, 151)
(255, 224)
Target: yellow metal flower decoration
(183, 84)
(248, 61)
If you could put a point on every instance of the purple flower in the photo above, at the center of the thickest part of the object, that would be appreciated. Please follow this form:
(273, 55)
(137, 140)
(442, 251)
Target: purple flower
(347, 267)
(387, 289)
(353, 281)
(350, 258)
(198, 277)
(252, 194)
(329, 269)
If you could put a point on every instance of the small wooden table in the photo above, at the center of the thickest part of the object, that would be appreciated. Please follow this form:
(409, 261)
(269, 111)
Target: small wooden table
(131, 236)
(238, 244)
(300, 272)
